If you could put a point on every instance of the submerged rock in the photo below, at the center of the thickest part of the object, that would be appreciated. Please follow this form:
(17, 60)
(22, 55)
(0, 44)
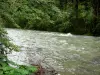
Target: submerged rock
(43, 71)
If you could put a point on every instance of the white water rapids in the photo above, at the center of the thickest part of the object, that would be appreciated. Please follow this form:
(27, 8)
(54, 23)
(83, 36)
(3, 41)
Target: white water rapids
(66, 53)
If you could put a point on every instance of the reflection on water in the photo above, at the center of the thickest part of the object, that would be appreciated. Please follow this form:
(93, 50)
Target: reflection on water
(68, 54)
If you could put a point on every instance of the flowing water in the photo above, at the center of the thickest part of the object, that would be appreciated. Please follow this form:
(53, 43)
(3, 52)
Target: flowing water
(66, 53)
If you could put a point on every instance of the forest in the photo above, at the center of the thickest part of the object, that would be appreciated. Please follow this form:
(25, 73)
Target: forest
(74, 16)
(79, 17)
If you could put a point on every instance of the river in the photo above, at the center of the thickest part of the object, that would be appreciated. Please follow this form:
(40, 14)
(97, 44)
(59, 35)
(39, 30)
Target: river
(66, 53)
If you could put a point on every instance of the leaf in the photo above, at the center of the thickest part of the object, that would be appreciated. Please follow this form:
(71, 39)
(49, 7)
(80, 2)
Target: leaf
(1, 72)
(23, 71)
(33, 69)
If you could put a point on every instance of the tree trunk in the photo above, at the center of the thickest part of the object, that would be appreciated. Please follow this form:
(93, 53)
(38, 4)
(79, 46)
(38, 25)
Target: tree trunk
(76, 8)
(72, 1)
(96, 22)
(95, 12)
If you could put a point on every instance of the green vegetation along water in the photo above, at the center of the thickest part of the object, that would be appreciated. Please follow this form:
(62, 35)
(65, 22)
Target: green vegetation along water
(66, 53)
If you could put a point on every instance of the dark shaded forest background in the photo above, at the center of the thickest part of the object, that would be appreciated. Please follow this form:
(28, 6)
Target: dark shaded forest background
(74, 16)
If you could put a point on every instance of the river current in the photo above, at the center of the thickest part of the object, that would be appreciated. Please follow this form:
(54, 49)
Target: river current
(66, 53)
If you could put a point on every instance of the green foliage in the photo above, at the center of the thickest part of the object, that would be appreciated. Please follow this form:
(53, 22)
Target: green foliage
(5, 69)
(6, 47)
(5, 41)
(49, 15)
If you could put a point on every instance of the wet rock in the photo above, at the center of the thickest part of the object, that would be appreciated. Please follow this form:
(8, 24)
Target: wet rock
(43, 71)
(50, 72)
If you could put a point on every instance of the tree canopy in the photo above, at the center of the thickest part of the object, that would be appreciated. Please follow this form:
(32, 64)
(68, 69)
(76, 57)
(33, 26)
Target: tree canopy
(75, 16)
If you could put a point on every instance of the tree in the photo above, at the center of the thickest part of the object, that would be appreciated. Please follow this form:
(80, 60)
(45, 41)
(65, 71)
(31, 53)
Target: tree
(76, 8)
(5, 45)
(96, 12)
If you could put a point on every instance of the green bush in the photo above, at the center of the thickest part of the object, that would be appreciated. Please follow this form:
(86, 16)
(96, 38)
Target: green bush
(5, 48)
(5, 69)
